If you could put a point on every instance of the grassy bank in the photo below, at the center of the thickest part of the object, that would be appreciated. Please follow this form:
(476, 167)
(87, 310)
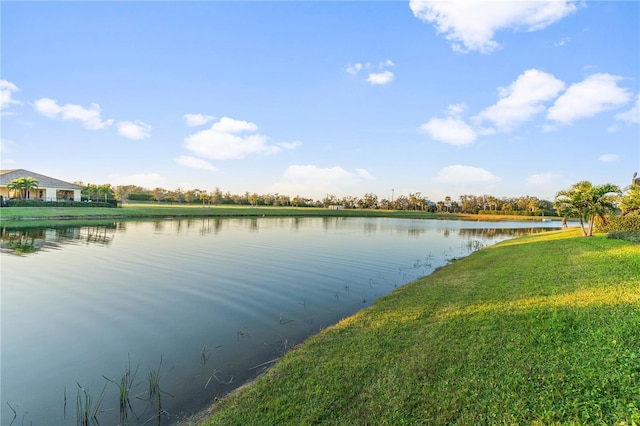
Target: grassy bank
(26, 216)
(542, 329)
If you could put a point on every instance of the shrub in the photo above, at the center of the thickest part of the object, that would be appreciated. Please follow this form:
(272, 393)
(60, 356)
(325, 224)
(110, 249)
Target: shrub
(629, 222)
(39, 203)
(140, 197)
(632, 236)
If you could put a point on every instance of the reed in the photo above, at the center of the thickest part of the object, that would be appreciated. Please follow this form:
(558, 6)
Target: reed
(15, 414)
(220, 382)
(155, 391)
(124, 386)
(284, 320)
(204, 355)
(87, 408)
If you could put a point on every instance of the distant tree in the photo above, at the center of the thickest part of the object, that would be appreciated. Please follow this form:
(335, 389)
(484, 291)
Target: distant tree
(253, 199)
(370, 200)
(330, 200)
(192, 195)
(402, 202)
(105, 190)
(447, 203)
(159, 194)
(284, 200)
(469, 204)
(349, 201)
(216, 196)
(121, 192)
(586, 202)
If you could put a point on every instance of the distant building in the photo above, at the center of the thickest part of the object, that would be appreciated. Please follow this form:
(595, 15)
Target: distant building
(49, 189)
(336, 207)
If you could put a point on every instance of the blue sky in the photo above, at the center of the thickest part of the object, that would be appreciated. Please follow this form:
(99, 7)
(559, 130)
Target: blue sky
(445, 98)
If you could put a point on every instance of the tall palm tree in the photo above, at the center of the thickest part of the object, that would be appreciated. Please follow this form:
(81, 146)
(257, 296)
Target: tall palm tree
(14, 186)
(23, 185)
(103, 189)
(631, 200)
(586, 202)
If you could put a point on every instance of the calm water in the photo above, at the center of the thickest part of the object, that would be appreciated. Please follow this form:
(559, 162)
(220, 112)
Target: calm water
(204, 303)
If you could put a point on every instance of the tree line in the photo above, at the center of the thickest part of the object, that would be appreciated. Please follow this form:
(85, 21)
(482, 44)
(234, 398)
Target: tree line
(470, 204)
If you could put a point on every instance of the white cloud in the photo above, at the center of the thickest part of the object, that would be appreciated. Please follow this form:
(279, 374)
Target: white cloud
(471, 25)
(48, 107)
(562, 42)
(198, 119)
(134, 130)
(363, 173)
(6, 146)
(354, 69)
(229, 125)
(311, 173)
(609, 158)
(547, 184)
(380, 77)
(194, 163)
(233, 139)
(523, 99)
(597, 93)
(452, 130)
(89, 117)
(376, 74)
(544, 179)
(289, 145)
(144, 180)
(465, 174)
(631, 116)
(7, 89)
(314, 181)
(456, 110)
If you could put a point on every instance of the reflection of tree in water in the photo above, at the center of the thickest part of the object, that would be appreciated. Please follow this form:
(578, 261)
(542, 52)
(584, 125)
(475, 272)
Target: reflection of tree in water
(500, 232)
(22, 243)
(97, 234)
(32, 240)
(415, 232)
(210, 226)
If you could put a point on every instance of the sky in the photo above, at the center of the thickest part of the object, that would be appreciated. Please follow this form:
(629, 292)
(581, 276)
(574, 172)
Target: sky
(444, 98)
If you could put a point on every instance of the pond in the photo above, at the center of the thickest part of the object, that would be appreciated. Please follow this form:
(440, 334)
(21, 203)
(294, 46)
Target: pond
(184, 311)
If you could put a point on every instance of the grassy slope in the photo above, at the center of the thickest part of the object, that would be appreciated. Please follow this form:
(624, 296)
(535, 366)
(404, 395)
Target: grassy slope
(540, 329)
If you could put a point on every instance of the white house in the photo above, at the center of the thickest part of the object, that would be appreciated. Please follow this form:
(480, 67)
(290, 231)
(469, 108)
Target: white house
(49, 189)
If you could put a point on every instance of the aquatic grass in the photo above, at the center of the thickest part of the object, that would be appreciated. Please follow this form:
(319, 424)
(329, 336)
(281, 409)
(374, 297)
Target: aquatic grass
(155, 393)
(537, 330)
(205, 353)
(125, 385)
(88, 408)
(220, 382)
(15, 414)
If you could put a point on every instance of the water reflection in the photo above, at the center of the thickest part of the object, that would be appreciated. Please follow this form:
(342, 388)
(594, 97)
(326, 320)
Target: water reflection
(217, 300)
(21, 241)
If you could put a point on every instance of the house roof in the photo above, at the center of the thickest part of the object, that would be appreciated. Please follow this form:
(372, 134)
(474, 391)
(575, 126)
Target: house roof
(7, 176)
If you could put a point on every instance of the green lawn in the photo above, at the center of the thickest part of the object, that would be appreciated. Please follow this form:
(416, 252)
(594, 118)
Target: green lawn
(542, 329)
